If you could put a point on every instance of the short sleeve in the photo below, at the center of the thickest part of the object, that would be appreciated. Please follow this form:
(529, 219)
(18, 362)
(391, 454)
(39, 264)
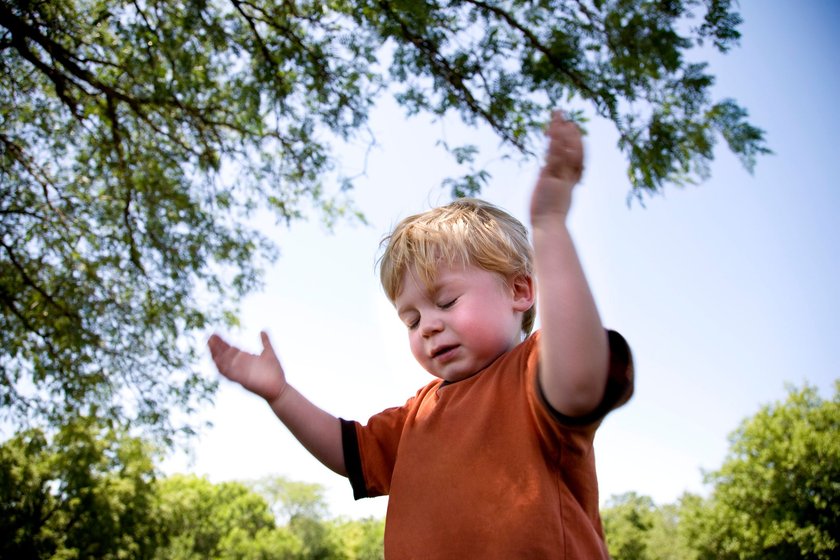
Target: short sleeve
(618, 390)
(370, 451)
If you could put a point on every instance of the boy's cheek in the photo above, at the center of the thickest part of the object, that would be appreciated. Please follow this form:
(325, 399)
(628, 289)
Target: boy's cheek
(416, 349)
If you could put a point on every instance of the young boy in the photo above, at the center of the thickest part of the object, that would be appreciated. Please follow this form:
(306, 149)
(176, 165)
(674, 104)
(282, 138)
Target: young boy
(494, 458)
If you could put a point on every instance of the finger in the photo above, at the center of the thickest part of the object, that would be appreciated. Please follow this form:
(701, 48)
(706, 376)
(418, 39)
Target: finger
(564, 132)
(565, 143)
(559, 122)
(564, 151)
(266, 342)
(225, 356)
(217, 345)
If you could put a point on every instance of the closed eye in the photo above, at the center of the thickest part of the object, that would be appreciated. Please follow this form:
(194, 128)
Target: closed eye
(412, 323)
(447, 304)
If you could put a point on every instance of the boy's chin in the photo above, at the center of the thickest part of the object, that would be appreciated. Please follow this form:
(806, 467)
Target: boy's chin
(453, 376)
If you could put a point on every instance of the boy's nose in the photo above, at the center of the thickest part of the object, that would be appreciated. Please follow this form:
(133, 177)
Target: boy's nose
(430, 326)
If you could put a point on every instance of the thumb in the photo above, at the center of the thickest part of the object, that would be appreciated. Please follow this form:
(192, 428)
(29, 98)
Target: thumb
(266, 342)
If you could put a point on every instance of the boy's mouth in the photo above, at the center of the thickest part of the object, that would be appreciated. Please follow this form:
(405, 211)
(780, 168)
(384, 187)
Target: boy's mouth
(441, 350)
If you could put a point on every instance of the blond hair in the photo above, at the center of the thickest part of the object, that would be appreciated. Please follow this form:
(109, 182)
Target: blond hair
(467, 231)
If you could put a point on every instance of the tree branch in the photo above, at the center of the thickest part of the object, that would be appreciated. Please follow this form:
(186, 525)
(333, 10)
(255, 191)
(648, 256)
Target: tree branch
(443, 69)
(534, 41)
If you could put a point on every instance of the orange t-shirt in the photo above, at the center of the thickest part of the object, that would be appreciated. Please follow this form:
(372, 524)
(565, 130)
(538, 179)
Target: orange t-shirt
(485, 468)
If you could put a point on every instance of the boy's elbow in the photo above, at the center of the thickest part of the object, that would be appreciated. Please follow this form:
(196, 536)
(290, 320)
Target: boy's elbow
(586, 403)
(575, 392)
(578, 401)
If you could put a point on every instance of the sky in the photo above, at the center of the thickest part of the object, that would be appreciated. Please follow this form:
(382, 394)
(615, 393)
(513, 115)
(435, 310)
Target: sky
(728, 292)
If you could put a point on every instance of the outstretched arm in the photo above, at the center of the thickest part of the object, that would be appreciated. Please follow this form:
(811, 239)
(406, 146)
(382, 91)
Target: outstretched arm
(574, 353)
(317, 430)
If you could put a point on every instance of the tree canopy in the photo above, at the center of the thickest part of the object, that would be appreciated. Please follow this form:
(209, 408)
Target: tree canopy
(776, 496)
(637, 529)
(86, 492)
(89, 491)
(138, 139)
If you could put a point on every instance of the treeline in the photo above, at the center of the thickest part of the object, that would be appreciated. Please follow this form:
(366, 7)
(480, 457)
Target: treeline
(776, 496)
(92, 491)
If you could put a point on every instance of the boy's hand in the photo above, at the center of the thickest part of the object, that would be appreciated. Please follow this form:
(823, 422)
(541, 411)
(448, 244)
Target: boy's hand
(261, 374)
(562, 170)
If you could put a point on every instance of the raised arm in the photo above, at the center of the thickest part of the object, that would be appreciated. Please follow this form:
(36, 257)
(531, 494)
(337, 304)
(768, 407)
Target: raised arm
(574, 353)
(317, 430)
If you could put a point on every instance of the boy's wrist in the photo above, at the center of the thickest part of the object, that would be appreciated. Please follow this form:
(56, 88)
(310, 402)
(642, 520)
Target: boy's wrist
(275, 401)
(549, 224)
(551, 201)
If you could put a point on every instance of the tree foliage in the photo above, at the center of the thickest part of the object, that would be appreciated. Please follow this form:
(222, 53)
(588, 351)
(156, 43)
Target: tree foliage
(89, 491)
(86, 492)
(199, 519)
(290, 499)
(302, 507)
(777, 495)
(138, 139)
(638, 529)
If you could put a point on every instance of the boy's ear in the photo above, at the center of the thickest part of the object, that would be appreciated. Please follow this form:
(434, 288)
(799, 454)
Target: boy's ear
(524, 292)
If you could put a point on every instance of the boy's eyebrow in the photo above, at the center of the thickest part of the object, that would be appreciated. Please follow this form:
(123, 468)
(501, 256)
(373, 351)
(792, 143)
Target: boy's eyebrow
(430, 293)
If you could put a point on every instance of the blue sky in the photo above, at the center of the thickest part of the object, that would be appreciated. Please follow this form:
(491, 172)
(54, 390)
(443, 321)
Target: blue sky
(726, 291)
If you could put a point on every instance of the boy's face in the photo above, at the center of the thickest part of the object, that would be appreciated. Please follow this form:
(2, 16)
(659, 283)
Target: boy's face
(468, 319)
